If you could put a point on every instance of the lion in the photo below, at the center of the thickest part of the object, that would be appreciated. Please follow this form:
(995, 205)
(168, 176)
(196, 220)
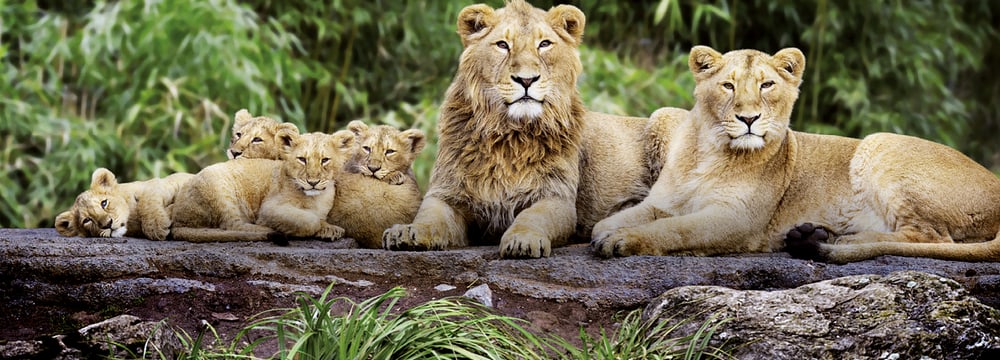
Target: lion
(258, 137)
(736, 179)
(263, 199)
(510, 159)
(379, 189)
(112, 209)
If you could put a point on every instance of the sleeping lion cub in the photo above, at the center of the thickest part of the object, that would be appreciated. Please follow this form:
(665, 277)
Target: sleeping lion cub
(736, 180)
(380, 189)
(110, 209)
(249, 199)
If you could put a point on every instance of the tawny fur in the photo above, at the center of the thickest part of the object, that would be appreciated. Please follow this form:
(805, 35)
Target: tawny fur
(510, 135)
(728, 187)
(258, 137)
(110, 209)
(248, 199)
(379, 189)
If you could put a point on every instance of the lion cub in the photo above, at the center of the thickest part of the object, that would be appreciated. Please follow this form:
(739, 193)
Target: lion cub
(380, 189)
(110, 209)
(250, 199)
(257, 137)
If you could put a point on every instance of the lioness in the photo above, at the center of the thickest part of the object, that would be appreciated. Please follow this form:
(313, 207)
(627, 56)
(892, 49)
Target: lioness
(250, 199)
(110, 209)
(736, 180)
(511, 132)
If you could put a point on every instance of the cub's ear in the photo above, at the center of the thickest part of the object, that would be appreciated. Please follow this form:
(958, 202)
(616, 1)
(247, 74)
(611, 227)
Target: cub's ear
(343, 139)
(102, 180)
(357, 127)
(416, 138)
(287, 137)
(570, 19)
(242, 117)
(474, 21)
(704, 61)
(286, 127)
(792, 63)
(66, 224)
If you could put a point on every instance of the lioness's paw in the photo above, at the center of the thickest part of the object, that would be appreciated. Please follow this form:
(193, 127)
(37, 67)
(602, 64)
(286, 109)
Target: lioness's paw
(803, 242)
(330, 232)
(524, 245)
(612, 243)
(403, 237)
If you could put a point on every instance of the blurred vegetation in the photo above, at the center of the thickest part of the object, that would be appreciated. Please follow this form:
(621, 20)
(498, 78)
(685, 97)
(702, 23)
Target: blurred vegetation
(146, 88)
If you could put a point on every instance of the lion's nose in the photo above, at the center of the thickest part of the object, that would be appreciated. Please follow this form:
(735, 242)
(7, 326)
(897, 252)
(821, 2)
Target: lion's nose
(525, 81)
(109, 224)
(235, 153)
(374, 168)
(312, 182)
(748, 119)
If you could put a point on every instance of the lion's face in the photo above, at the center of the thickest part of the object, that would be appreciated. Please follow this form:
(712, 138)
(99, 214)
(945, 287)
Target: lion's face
(520, 59)
(383, 151)
(256, 137)
(748, 94)
(311, 160)
(100, 211)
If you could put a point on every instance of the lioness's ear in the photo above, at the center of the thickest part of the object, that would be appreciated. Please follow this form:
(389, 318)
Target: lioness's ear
(704, 61)
(102, 179)
(343, 139)
(473, 20)
(416, 139)
(357, 127)
(570, 19)
(791, 61)
(65, 224)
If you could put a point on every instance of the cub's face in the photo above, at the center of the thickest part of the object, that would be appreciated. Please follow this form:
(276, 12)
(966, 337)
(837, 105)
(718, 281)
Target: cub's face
(257, 137)
(311, 160)
(100, 211)
(748, 94)
(384, 152)
(520, 59)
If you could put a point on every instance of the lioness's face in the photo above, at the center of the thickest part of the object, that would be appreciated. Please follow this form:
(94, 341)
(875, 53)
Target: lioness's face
(749, 93)
(521, 58)
(98, 212)
(311, 160)
(256, 137)
(383, 150)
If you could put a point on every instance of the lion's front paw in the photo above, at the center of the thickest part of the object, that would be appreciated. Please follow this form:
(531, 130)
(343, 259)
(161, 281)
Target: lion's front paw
(524, 245)
(156, 226)
(613, 243)
(803, 242)
(330, 232)
(405, 237)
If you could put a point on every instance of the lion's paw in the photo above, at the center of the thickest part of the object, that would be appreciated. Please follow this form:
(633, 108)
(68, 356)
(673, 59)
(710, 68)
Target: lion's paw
(405, 238)
(803, 241)
(156, 226)
(330, 232)
(524, 245)
(612, 243)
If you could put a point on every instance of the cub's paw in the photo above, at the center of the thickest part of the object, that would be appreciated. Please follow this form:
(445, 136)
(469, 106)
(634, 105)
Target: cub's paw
(404, 238)
(329, 232)
(613, 243)
(156, 226)
(524, 245)
(804, 242)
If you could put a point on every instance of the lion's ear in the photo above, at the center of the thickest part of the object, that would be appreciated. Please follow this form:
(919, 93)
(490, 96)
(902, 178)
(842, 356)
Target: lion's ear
(791, 61)
(242, 117)
(102, 180)
(65, 224)
(570, 19)
(287, 138)
(343, 139)
(286, 127)
(357, 127)
(416, 138)
(473, 20)
(704, 61)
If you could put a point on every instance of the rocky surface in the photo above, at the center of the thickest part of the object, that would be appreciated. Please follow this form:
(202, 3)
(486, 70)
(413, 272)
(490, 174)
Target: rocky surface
(54, 285)
(904, 315)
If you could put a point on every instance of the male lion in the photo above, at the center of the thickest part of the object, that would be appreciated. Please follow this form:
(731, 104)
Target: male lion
(738, 180)
(511, 132)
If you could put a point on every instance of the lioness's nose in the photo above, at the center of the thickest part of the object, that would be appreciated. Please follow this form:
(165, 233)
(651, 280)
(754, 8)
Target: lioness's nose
(748, 119)
(235, 153)
(524, 81)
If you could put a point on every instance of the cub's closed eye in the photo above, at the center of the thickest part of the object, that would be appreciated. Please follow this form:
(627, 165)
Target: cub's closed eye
(301, 160)
(767, 84)
(390, 152)
(257, 140)
(503, 45)
(104, 204)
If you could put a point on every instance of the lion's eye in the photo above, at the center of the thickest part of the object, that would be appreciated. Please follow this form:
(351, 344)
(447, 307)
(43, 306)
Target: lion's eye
(301, 160)
(503, 45)
(86, 221)
(104, 204)
(238, 135)
(766, 85)
(366, 149)
(544, 44)
(257, 140)
(728, 86)
(324, 161)
(390, 152)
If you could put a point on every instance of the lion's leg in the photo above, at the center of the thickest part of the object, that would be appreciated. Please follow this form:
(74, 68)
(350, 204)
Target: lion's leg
(708, 232)
(633, 216)
(547, 223)
(437, 226)
(294, 221)
(154, 217)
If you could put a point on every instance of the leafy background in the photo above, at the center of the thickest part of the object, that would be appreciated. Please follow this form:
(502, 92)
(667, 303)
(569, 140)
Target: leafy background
(147, 88)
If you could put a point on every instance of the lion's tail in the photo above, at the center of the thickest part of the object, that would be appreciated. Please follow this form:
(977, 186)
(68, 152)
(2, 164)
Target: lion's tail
(201, 235)
(986, 251)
